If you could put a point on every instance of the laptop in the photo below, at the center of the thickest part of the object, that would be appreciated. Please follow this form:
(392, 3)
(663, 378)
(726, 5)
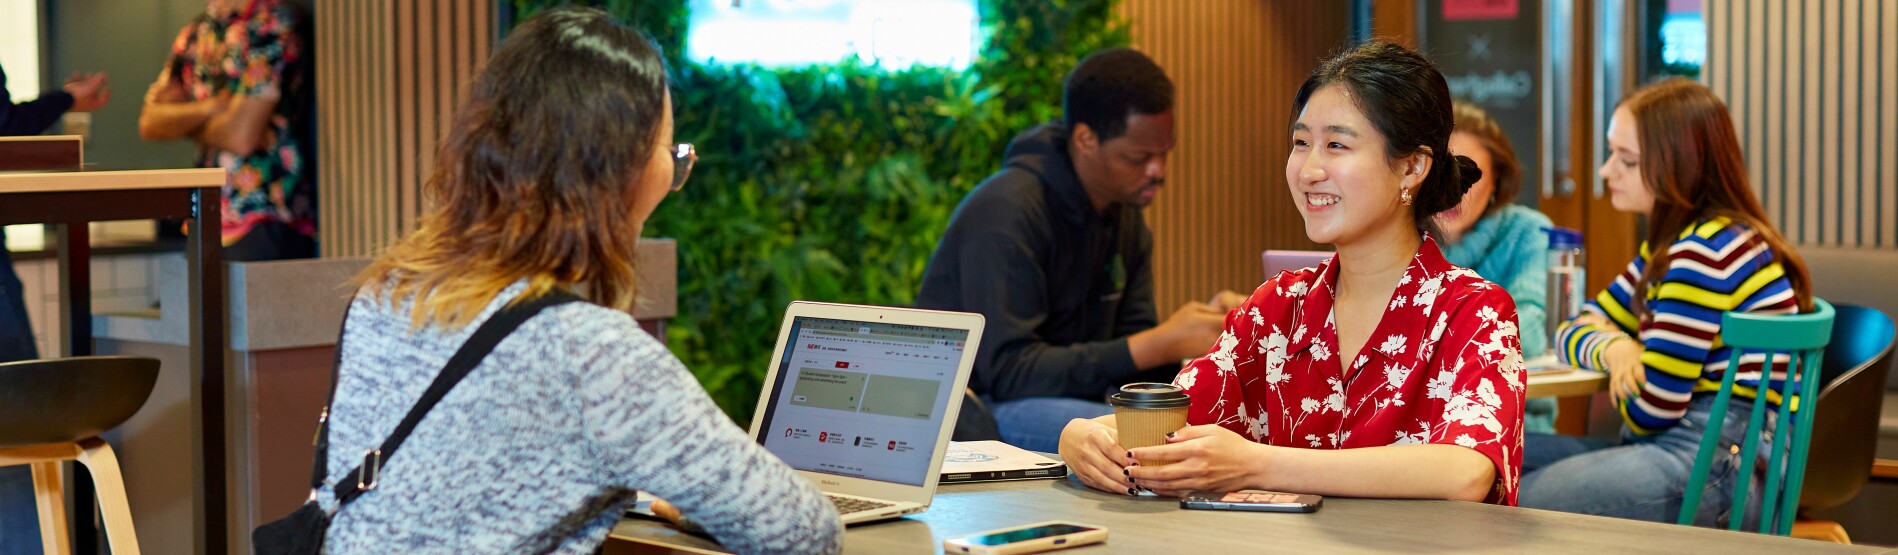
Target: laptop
(1279, 261)
(861, 400)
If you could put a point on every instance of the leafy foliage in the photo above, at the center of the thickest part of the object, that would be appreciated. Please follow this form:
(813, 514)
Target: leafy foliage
(834, 182)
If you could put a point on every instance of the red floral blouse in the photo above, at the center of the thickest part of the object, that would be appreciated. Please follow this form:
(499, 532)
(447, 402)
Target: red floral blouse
(1443, 366)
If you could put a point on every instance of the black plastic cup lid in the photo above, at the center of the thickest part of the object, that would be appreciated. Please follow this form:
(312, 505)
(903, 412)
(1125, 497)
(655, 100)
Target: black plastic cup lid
(1149, 395)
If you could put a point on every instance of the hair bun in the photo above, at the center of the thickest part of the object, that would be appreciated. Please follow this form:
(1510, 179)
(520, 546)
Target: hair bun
(1467, 174)
(1444, 188)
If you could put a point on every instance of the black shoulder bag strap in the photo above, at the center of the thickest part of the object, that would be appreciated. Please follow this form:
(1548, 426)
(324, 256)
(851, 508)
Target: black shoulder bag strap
(302, 531)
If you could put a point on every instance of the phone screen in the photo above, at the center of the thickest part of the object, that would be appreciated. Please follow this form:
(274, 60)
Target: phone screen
(1026, 534)
(1264, 501)
(1259, 497)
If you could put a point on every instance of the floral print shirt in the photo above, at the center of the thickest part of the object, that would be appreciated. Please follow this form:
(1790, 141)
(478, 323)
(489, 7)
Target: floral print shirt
(250, 52)
(1444, 365)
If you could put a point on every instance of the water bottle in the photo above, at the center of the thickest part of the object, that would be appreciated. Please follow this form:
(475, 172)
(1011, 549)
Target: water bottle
(1567, 277)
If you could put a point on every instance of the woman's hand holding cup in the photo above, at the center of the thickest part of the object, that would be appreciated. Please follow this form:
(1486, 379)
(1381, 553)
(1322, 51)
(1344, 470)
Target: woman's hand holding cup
(1093, 452)
(1200, 458)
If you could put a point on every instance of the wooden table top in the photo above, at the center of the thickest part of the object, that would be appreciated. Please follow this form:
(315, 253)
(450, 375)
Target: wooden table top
(85, 181)
(1566, 383)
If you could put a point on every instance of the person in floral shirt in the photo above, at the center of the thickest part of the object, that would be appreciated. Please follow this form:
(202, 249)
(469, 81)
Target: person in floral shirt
(236, 83)
(1383, 372)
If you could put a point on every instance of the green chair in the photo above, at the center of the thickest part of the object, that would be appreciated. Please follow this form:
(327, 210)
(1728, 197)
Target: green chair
(1803, 337)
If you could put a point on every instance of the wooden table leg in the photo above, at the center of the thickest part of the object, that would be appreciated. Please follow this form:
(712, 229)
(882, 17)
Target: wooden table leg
(1571, 415)
(75, 301)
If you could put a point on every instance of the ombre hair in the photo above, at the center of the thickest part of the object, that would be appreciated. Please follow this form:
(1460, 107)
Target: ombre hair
(1504, 169)
(1691, 160)
(536, 178)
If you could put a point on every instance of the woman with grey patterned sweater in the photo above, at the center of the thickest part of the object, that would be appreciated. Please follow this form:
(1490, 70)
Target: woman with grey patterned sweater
(549, 172)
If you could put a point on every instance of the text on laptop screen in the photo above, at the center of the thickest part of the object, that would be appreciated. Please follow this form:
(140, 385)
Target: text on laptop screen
(862, 399)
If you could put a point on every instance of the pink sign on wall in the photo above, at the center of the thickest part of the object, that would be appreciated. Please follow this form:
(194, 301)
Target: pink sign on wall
(1465, 10)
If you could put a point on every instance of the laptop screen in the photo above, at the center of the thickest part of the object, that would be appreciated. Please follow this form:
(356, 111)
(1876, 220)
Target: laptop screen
(862, 399)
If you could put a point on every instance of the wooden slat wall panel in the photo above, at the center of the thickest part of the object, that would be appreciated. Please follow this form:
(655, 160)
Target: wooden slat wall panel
(389, 75)
(1813, 86)
(1395, 21)
(1235, 64)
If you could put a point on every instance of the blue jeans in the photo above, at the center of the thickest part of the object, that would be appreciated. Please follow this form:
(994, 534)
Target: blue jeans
(1035, 423)
(1640, 478)
(19, 517)
(16, 333)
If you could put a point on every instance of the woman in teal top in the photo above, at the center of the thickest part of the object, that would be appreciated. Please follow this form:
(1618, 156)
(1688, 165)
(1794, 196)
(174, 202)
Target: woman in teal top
(1502, 241)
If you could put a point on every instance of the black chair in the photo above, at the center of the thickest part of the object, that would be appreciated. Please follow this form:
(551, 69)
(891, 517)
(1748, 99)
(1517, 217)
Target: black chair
(1845, 428)
(52, 411)
(976, 422)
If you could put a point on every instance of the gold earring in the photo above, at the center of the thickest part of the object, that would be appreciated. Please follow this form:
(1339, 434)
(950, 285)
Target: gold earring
(1404, 196)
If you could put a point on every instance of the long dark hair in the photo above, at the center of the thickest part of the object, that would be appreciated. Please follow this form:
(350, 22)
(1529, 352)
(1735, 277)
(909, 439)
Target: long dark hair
(535, 180)
(1407, 100)
(1691, 159)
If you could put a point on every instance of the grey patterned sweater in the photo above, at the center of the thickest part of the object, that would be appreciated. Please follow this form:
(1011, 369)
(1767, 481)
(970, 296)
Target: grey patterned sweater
(540, 448)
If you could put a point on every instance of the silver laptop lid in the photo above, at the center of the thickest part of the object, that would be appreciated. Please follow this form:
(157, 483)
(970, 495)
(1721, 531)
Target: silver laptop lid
(862, 399)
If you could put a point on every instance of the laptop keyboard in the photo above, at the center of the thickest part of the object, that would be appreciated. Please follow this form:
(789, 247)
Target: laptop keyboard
(847, 505)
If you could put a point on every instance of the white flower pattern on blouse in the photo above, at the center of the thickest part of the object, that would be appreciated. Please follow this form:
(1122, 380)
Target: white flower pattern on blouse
(1444, 366)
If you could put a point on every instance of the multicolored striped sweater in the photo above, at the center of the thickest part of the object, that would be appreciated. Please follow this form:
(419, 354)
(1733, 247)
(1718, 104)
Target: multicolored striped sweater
(1714, 267)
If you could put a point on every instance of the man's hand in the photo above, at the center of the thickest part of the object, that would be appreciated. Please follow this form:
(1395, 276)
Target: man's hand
(1225, 301)
(88, 92)
(1194, 328)
(1188, 333)
(169, 113)
(164, 91)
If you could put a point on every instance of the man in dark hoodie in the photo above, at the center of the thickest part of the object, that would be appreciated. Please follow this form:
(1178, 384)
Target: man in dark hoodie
(1053, 250)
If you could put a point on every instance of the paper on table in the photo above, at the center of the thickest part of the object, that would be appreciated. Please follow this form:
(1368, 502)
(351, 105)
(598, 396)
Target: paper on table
(1546, 364)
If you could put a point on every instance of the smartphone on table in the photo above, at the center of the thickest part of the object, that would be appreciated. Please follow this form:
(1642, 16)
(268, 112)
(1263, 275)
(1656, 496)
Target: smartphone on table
(1252, 500)
(1033, 538)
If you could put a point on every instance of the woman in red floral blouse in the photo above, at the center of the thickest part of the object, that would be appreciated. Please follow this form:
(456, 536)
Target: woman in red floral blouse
(1384, 372)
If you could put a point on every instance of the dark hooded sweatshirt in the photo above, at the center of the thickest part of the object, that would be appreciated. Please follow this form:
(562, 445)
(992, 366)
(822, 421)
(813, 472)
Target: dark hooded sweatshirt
(1061, 285)
(32, 117)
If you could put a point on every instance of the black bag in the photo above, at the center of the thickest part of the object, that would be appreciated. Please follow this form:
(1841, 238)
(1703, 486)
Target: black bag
(302, 532)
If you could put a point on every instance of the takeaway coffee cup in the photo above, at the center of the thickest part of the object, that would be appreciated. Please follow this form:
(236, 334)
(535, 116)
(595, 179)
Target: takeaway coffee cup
(1146, 412)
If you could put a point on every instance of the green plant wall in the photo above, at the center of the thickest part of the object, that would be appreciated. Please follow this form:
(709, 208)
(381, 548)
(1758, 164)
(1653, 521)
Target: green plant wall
(833, 183)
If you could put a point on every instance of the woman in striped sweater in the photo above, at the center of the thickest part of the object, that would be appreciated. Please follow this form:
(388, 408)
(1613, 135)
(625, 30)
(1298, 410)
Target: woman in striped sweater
(1676, 159)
